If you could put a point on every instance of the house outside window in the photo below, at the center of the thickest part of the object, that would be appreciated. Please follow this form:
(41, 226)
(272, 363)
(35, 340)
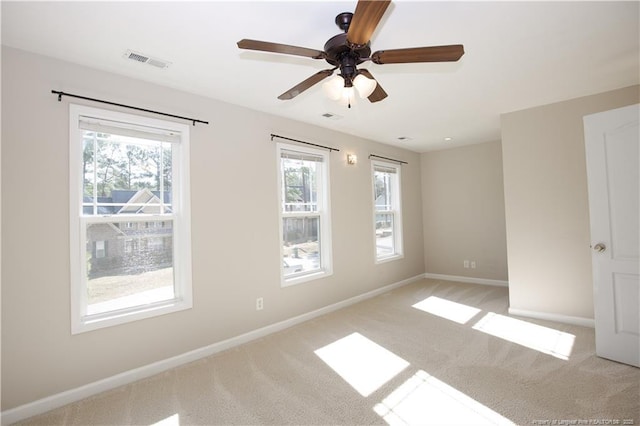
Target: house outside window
(305, 228)
(129, 175)
(387, 211)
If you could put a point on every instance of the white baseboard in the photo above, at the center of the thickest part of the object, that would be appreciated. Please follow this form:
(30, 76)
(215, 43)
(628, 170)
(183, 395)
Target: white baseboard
(483, 281)
(58, 400)
(565, 319)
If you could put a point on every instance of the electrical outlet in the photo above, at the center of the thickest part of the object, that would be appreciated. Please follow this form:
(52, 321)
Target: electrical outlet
(466, 263)
(473, 264)
(259, 304)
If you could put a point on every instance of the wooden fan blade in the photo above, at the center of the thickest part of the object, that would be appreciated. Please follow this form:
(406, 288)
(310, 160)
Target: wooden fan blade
(304, 85)
(365, 20)
(449, 53)
(265, 46)
(378, 93)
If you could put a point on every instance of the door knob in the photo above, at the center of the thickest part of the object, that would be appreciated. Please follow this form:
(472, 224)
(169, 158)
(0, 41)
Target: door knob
(599, 247)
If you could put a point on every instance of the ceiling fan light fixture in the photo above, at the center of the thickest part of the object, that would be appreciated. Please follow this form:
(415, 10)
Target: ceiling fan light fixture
(364, 85)
(347, 96)
(333, 87)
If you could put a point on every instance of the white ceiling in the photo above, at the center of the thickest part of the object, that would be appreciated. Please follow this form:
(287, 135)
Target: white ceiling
(518, 55)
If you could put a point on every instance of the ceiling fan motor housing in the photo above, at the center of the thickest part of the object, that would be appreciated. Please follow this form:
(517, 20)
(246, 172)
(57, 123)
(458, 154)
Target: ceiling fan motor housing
(340, 54)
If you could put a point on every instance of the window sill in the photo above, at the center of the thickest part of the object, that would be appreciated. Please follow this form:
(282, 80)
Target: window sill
(389, 258)
(288, 282)
(96, 322)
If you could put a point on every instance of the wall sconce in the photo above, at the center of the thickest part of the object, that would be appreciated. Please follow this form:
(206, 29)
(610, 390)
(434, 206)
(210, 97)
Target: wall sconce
(352, 159)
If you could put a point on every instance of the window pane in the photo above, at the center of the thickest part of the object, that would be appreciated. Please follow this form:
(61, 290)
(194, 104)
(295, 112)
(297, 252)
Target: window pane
(384, 184)
(384, 234)
(300, 185)
(125, 175)
(301, 251)
(88, 170)
(128, 266)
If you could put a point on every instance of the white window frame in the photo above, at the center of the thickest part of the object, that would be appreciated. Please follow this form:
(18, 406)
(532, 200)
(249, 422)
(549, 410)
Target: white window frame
(181, 217)
(323, 213)
(395, 210)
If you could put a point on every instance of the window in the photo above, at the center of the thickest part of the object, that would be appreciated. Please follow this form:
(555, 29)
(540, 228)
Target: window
(128, 245)
(100, 253)
(387, 211)
(304, 214)
(130, 218)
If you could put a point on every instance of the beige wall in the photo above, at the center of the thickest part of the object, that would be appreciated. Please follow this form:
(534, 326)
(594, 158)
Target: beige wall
(463, 211)
(234, 229)
(547, 211)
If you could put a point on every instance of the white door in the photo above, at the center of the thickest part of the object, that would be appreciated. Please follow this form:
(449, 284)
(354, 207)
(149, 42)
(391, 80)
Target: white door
(613, 171)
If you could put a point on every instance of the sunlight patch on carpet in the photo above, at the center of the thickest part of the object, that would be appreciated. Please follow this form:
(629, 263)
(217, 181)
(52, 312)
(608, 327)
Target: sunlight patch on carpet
(169, 421)
(362, 363)
(447, 309)
(425, 400)
(543, 339)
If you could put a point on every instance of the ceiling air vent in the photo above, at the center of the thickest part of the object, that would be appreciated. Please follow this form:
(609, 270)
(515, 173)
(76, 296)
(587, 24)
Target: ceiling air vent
(145, 59)
(331, 116)
(158, 63)
(137, 57)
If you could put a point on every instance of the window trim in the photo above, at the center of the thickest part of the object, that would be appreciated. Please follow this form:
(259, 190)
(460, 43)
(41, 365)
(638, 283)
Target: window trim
(323, 213)
(181, 217)
(396, 211)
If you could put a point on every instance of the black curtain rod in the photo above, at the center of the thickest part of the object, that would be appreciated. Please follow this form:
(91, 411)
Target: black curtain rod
(61, 94)
(390, 159)
(307, 143)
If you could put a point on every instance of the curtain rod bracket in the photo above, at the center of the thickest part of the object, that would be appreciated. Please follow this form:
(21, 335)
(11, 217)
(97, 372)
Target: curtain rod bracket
(61, 94)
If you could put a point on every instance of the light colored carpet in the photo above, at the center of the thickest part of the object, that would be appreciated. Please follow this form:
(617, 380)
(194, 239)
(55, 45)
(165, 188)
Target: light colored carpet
(384, 361)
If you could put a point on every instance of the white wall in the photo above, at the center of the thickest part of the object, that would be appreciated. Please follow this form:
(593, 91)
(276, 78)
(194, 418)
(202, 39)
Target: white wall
(463, 211)
(547, 210)
(235, 241)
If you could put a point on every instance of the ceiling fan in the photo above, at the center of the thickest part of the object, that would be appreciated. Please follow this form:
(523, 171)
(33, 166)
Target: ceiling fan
(348, 50)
